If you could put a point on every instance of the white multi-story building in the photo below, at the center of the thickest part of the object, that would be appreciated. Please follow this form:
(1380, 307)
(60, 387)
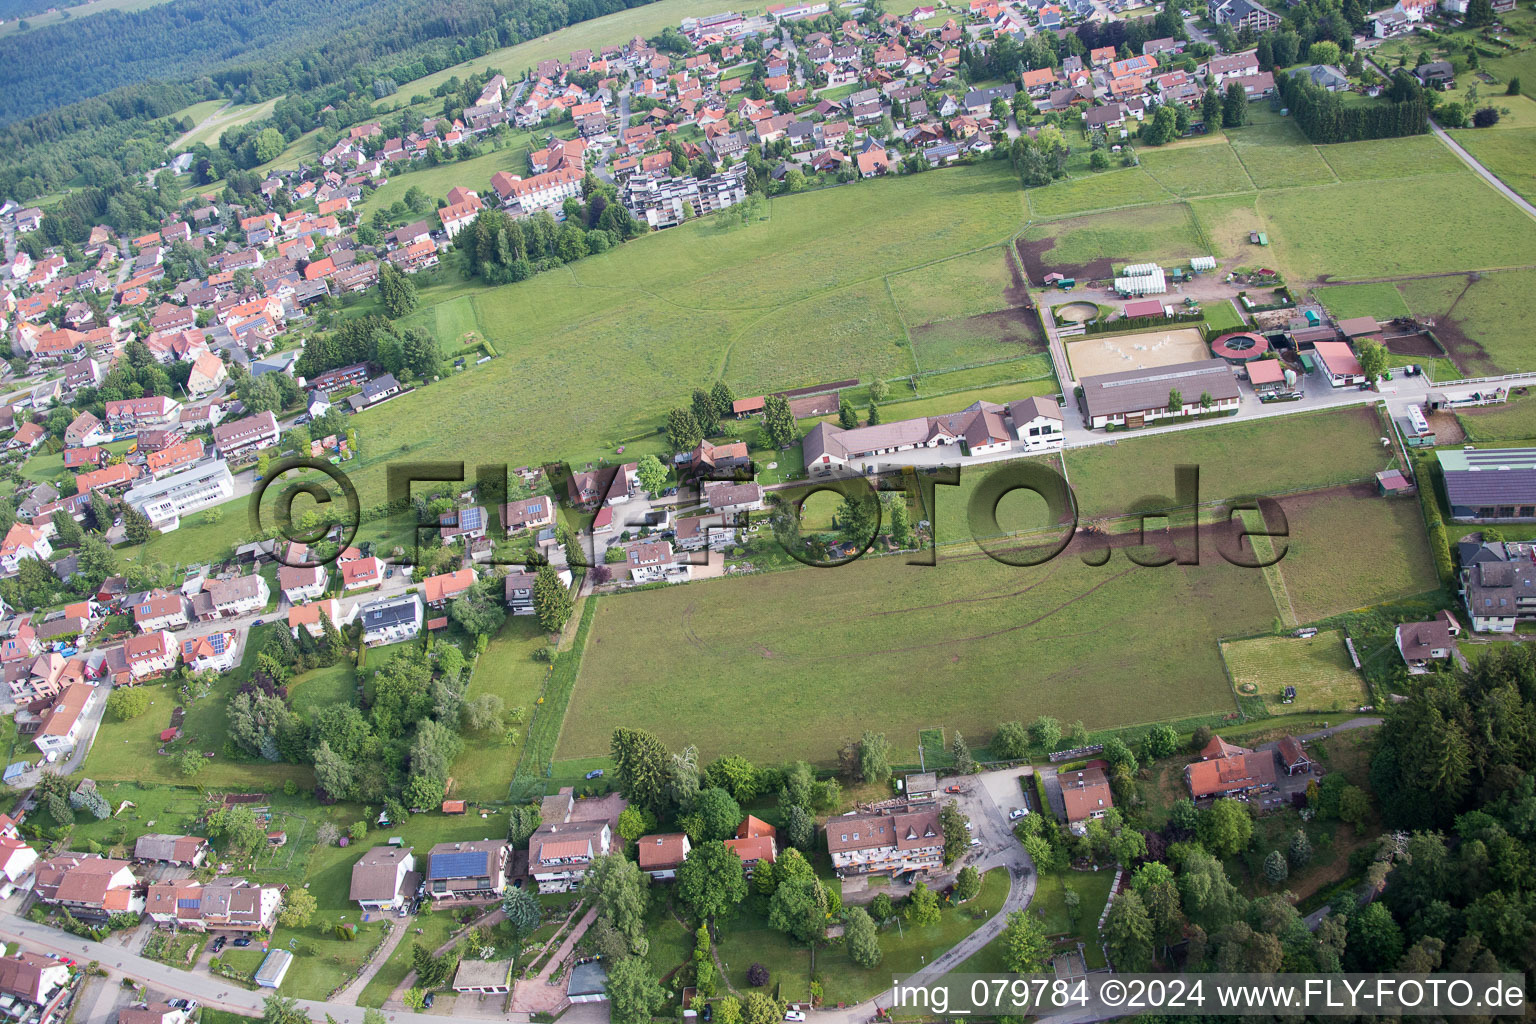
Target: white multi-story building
(164, 502)
(541, 191)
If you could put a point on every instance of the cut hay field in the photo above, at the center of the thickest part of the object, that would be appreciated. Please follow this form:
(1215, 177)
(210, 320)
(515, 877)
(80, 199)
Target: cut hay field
(593, 354)
(1235, 459)
(1390, 158)
(880, 644)
(1107, 191)
(1348, 548)
(1319, 668)
(1481, 321)
(963, 286)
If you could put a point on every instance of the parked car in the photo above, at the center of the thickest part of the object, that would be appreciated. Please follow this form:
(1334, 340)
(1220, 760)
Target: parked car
(795, 1016)
(975, 841)
(1017, 813)
(427, 1000)
(969, 826)
(218, 943)
(258, 622)
(595, 773)
(242, 941)
(952, 789)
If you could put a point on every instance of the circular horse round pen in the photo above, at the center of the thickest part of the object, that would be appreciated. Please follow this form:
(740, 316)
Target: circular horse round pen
(1240, 347)
(1078, 312)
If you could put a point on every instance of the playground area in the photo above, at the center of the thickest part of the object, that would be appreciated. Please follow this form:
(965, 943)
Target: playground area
(1092, 356)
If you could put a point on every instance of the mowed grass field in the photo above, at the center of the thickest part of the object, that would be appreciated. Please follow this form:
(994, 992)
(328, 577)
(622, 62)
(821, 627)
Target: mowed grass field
(1166, 232)
(1234, 459)
(880, 644)
(593, 354)
(962, 286)
(1318, 667)
(1200, 170)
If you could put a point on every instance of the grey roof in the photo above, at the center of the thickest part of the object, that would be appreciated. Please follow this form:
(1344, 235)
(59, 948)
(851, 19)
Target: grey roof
(980, 97)
(1112, 394)
(1473, 487)
(379, 385)
(375, 873)
(393, 612)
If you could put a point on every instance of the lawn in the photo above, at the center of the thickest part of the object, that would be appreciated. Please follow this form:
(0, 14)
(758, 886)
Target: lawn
(1391, 158)
(1318, 667)
(1381, 300)
(1049, 904)
(127, 751)
(1110, 479)
(49, 466)
(199, 541)
(1203, 170)
(230, 117)
(483, 771)
(319, 688)
(1479, 318)
(1361, 240)
(1223, 316)
(746, 939)
(1348, 548)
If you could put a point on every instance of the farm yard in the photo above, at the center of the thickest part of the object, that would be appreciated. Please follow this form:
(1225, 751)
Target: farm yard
(1318, 667)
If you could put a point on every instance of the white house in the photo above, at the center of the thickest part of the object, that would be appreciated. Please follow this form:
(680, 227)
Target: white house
(300, 584)
(164, 502)
(150, 654)
(217, 652)
(391, 620)
(66, 719)
(1037, 422)
(652, 561)
(379, 878)
(23, 541)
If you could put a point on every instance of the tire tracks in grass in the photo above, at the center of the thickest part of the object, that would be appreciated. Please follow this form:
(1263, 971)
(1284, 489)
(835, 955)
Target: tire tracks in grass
(1273, 578)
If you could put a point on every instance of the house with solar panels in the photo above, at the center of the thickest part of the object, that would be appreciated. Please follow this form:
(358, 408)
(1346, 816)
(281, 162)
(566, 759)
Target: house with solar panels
(474, 872)
(462, 523)
(215, 652)
(1490, 485)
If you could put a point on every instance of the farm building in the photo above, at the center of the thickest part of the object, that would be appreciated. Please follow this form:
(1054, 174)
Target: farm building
(1145, 307)
(1271, 378)
(1358, 326)
(1134, 398)
(1338, 363)
(1490, 485)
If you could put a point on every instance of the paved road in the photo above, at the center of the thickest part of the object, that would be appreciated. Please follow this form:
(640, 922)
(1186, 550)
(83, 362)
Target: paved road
(205, 988)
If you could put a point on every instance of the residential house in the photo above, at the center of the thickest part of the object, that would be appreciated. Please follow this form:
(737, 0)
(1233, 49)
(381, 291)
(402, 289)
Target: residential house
(131, 414)
(1236, 772)
(1241, 14)
(206, 376)
(1421, 643)
(212, 652)
(1498, 583)
(33, 987)
(528, 514)
(732, 499)
(154, 1013)
(224, 904)
(385, 878)
(661, 855)
(16, 862)
(472, 872)
(150, 655)
(904, 840)
(755, 842)
(242, 438)
(231, 598)
(1237, 65)
(88, 886)
(307, 616)
(182, 851)
(1086, 795)
(23, 541)
(560, 852)
(1436, 74)
(464, 524)
(391, 620)
(1293, 758)
(360, 573)
(439, 590)
(84, 430)
(652, 561)
(174, 459)
(1037, 423)
(64, 723)
(159, 610)
(301, 583)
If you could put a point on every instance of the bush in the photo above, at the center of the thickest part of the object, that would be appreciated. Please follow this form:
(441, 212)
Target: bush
(757, 975)
(128, 703)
